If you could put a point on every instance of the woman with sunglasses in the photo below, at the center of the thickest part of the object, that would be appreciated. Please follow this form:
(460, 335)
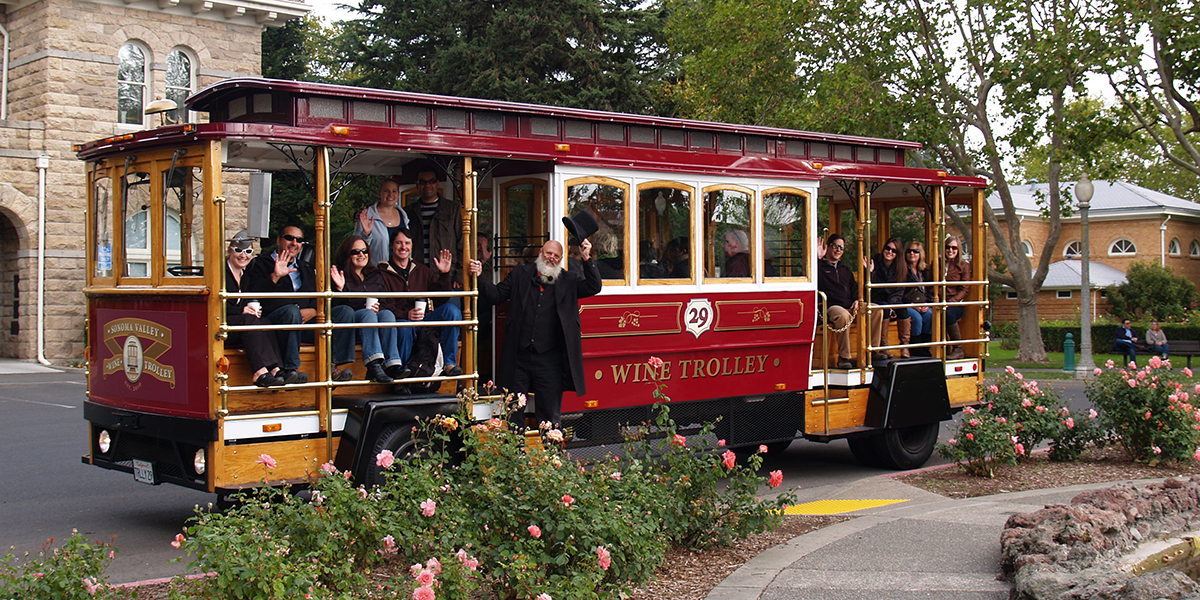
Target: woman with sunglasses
(886, 268)
(259, 345)
(957, 269)
(352, 272)
(378, 222)
(920, 318)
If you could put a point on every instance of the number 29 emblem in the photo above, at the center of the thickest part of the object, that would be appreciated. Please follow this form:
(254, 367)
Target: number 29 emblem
(698, 316)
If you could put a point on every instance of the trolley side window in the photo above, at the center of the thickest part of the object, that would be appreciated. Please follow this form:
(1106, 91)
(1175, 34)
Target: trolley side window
(135, 214)
(664, 222)
(727, 245)
(102, 213)
(605, 199)
(785, 213)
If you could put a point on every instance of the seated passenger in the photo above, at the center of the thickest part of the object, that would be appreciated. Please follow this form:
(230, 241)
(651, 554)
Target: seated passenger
(650, 267)
(957, 269)
(283, 272)
(837, 281)
(737, 253)
(920, 317)
(259, 345)
(352, 272)
(678, 258)
(1125, 341)
(402, 274)
(606, 246)
(885, 268)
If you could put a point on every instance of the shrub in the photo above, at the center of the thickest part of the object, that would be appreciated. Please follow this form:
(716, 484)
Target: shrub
(1148, 411)
(982, 440)
(1152, 291)
(73, 572)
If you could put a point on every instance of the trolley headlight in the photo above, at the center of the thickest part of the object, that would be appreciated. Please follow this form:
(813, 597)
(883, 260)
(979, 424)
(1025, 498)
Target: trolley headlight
(198, 462)
(104, 442)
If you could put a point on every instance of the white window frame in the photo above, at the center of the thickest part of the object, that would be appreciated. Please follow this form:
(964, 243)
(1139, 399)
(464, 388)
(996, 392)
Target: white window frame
(1129, 250)
(1194, 249)
(1073, 244)
(1027, 248)
(1174, 248)
(1010, 295)
(145, 83)
(1063, 294)
(192, 80)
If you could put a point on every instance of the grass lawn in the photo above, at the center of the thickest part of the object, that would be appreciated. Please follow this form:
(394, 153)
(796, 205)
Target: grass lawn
(1000, 358)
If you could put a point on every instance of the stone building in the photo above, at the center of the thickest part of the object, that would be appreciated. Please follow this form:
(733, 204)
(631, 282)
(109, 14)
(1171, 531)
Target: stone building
(76, 71)
(1126, 223)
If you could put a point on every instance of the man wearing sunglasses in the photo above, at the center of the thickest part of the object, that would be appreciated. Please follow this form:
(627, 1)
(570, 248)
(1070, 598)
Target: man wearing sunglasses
(283, 271)
(435, 224)
(837, 281)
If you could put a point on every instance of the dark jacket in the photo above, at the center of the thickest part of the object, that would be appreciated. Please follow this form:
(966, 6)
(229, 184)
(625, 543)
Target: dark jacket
(257, 278)
(445, 232)
(838, 283)
(521, 288)
(918, 277)
(234, 306)
(1123, 334)
(420, 279)
(373, 282)
(885, 274)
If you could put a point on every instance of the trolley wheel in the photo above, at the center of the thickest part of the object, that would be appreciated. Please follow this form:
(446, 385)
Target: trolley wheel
(397, 438)
(906, 448)
(863, 449)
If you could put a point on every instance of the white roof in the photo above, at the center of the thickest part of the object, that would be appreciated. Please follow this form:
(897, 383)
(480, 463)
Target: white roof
(1112, 199)
(1065, 275)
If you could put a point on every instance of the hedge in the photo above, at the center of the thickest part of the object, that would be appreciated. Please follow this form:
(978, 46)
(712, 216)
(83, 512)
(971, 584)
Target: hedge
(1053, 334)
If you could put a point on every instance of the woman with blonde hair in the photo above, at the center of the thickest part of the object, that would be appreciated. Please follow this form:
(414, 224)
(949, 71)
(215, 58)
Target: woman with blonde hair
(886, 268)
(916, 270)
(957, 269)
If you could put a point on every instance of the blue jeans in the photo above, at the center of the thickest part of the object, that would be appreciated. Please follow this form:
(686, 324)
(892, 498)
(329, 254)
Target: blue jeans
(377, 343)
(289, 341)
(1163, 349)
(449, 335)
(1126, 348)
(921, 322)
(954, 313)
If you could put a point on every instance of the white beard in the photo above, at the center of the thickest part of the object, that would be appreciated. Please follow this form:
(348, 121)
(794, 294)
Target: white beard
(548, 273)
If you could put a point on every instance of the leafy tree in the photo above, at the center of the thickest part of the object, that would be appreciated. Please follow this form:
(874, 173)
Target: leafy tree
(1152, 291)
(599, 54)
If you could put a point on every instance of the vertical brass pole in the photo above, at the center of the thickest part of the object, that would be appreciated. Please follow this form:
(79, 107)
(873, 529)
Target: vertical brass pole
(470, 306)
(864, 287)
(325, 305)
(937, 255)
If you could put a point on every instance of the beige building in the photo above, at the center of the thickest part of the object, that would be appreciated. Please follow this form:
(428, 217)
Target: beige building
(1126, 223)
(79, 70)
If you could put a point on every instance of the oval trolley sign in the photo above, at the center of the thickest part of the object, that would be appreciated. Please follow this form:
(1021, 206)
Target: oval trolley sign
(698, 316)
(124, 338)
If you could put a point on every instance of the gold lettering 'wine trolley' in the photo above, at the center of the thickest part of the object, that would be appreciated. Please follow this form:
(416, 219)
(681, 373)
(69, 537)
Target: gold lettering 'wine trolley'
(707, 245)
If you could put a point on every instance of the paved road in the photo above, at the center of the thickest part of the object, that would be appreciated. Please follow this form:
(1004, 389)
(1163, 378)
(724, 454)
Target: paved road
(48, 491)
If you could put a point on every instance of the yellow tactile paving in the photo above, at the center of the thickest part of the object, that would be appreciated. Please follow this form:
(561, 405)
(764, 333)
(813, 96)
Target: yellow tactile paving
(836, 507)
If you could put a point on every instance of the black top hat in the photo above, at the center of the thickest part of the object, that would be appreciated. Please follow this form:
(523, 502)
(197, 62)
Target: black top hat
(581, 226)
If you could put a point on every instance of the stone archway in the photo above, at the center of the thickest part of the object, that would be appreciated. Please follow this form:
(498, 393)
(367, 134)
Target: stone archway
(18, 263)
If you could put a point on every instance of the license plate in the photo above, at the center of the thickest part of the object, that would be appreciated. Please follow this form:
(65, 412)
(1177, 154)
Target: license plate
(143, 471)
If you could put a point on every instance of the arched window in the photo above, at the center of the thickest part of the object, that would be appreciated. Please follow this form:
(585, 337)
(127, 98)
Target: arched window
(1072, 250)
(1194, 249)
(181, 71)
(1027, 248)
(1175, 248)
(1122, 247)
(133, 64)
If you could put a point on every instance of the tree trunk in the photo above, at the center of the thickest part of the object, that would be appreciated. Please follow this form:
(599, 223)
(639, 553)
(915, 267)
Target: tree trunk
(1032, 348)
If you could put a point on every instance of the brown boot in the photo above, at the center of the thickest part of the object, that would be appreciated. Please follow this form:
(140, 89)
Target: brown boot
(904, 332)
(956, 351)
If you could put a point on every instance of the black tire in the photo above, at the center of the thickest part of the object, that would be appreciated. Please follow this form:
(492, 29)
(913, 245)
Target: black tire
(906, 448)
(397, 438)
(863, 449)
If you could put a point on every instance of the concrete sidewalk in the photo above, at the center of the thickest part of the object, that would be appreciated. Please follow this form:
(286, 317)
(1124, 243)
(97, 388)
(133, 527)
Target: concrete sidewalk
(926, 546)
(11, 366)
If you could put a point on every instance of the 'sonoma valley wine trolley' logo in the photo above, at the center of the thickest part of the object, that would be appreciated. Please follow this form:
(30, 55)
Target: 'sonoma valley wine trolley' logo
(124, 338)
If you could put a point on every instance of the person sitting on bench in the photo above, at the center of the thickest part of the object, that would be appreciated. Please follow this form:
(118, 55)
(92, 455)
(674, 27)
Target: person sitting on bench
(1125, 341)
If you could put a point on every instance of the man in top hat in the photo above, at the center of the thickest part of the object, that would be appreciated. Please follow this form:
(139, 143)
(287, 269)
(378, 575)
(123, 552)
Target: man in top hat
(543, 349)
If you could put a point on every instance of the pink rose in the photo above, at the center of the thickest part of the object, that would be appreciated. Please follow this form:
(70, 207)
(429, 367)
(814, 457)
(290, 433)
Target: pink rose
(328, 468)
(1156, 449)
(92, 585)
(1110, 364)
(554, 435)
(952, 441)
(389, 544)
(1096, 371)
(535, 531)
(1132, 383)
(1026, 403)
(679, 440)
(1187, 372)
(970, 410)
(521, 400)
(544, 596)
(970, 436)
(178, 540)
(385, 459)
(266, 461)
(616, 476)
(415, 569)
(1019, 376)
(1197, 454)
(1040, 408)
(974, 422)
(1020, 449)
(776, 479)
(721, 443)
(1010, 370)
(1155, 362)
(995, 389)
(729, 458)
(434, 565)
(604, 557)
(1070, 423)
(567, 500)
(1147, 415)
(424, 593)
(1132, 365)
(655, 362)
(1092, 414)
(428, 507)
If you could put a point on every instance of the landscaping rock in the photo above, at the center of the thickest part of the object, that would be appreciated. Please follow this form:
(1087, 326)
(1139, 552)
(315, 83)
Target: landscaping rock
(1071, 552)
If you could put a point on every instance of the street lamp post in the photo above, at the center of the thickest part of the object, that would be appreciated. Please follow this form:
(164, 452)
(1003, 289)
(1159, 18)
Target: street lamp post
(1083, 193)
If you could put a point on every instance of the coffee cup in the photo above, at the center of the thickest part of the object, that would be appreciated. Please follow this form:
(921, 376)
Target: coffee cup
(256, 306)
(420, 305)
(373, 303)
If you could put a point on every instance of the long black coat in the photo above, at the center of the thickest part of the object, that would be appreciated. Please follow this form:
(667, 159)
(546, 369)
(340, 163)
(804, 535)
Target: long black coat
(521, 288)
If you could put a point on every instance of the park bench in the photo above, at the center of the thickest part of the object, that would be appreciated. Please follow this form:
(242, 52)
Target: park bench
(1188, 348)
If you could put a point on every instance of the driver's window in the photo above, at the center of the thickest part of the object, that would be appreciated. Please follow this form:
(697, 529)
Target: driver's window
(184, 221)
(136, 215)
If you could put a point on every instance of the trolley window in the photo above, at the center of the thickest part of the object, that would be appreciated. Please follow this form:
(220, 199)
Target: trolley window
(785, 214)
(727, 225)
(102, 209)
(135, 214)
(183, 226)
(664, 221)
(605, 199)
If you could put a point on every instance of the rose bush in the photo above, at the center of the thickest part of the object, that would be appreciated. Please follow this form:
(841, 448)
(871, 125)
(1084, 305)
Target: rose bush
(74, 571)
(1149, 411)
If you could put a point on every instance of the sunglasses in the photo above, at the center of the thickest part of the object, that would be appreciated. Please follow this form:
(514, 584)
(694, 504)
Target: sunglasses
(889, 249)
(246, 251)
(293, 238)
(838, 247)
(952, 247)
(913, 251)
(359, 252)
(426, 181)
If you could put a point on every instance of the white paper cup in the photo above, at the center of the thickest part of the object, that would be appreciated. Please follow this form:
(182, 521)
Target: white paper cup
(256, 306)
(420, 305)
(372, 302)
